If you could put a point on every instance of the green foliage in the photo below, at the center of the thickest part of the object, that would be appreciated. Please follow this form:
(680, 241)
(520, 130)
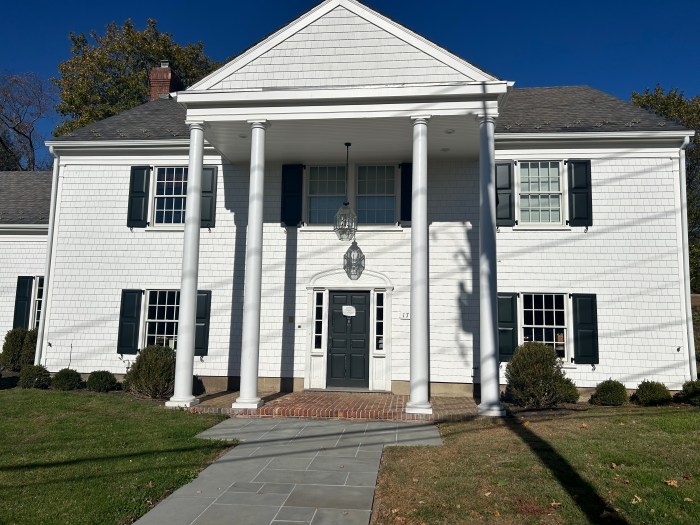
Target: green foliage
(29, 348)
(67, 379)
(102, 381)
(11, 357)
(569, 392)
(109, 74)
(690, 393)
(610, 393)
(651, 393)
(536, 379)
(153, 373)
(676, 107)
(34, 376)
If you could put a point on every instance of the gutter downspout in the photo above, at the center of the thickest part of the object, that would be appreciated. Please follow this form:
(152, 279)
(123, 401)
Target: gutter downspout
(686, 265)
(49, 250)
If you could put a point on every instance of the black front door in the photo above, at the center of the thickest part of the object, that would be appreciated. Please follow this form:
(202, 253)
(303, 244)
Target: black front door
(348, 348)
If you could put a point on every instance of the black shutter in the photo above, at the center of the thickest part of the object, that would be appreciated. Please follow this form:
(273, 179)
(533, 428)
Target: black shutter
(406, 191)
(208, 198)
(23, 302)
(292, 194)
(507, 325)
(585, 329)
(129, 322)
(580, 197)
(201, 333)
(505, 194)
(137, 216)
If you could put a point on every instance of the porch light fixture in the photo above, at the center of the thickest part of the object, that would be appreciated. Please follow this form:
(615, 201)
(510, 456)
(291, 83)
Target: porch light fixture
(354, 262)
(345, 221)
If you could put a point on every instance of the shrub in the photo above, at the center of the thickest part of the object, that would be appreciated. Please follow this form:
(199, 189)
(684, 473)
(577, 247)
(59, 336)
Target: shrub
(690, 392)
(610, 393)
(153, 373)
(67, 379)
(28, 348)
(34, 376)
(536, 379)
(650, 393)
(102, 381)
(12, 349)
(569, 392)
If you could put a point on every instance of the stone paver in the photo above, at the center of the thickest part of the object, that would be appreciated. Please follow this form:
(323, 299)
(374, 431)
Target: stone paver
(288, 471)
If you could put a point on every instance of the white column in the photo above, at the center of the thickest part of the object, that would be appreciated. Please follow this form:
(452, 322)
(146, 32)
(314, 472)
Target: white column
(253, 272)
(419, 402)
(184, 362)
(488, 287)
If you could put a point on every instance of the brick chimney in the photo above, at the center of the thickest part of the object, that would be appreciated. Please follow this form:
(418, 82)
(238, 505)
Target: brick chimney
(163, 81)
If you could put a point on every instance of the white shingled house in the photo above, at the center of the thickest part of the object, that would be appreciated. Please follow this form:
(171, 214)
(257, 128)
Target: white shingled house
(479, 216)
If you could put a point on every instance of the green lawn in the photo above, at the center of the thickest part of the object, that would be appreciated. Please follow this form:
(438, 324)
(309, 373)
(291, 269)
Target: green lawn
(84, 458)
(604, 465)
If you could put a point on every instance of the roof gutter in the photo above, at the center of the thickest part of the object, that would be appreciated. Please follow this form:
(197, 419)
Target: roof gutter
(38, 355)
(594, 135)
(686, 264)
(24, 229)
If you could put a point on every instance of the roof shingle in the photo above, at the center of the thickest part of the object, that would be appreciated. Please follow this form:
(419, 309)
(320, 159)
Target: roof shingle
(25, 197)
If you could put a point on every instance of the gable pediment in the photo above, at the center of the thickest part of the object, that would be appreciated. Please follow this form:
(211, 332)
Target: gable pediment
(341, 43)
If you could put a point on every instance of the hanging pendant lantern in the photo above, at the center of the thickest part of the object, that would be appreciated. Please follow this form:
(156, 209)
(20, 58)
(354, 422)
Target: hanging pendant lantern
(354, 262)
(345, 221)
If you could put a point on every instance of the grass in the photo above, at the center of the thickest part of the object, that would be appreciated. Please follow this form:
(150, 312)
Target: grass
(80, 457)
(604, 465)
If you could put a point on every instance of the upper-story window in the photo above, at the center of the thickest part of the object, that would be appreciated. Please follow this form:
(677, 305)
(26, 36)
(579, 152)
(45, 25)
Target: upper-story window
(376, 195)
(170, 195)
(540, 192)
(327, 192)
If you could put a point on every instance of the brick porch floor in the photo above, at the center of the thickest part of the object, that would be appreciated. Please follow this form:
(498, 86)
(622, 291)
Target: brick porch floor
(340, 405)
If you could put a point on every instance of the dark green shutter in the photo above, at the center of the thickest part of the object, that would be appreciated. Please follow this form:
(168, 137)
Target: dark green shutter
(292, 194)
(406, 191)
(505, 194)
(585, 329)
(507, 325)
(129, 322)
(580, 197)
(201, 333)
(137, 216)
(23, 302)
(208, 198)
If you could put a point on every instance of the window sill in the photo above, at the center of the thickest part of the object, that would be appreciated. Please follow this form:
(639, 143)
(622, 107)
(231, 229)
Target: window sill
(163, 228)
(360, 229)
(542, 228)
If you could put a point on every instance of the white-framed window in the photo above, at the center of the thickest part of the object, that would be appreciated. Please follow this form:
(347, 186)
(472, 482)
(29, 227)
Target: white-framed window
(38, 303)
(545, 320)
(170, 195)
(327, 190)
(376, 194)
(318, 321)
(162, 314)
(379, 321)
(541, 192)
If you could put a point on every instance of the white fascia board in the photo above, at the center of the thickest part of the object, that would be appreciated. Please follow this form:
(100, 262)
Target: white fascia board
(593, 135)
(360, 10)
(91, 147)
(24, 229)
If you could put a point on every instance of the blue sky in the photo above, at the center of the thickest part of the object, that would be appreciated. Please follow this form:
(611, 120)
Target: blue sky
(617, 46)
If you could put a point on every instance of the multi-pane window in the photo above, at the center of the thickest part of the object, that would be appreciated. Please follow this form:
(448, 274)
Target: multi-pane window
(38, 300)
(540, 192)
(318, 320)
(379, 322)
(326, 193)
(376, 195)
(170, 195)
(544, 320)
(163, 315)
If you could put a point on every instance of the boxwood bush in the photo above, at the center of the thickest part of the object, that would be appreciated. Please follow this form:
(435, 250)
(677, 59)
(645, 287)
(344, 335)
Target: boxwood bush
(690, 393)
(610, 393)
(153, 373)
(102, 381)
(67, 379)
(11, 357)
(34, 376)
(28, 348)
(651, 393)
(536, 379)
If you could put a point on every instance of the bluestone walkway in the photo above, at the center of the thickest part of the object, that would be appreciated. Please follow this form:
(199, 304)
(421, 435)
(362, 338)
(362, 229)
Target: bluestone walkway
(290, 472)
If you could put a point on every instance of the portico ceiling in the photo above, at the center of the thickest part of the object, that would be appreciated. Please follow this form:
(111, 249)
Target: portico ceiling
(373, 139)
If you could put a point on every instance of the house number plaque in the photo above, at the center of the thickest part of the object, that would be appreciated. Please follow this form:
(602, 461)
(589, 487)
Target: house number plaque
(348, 311)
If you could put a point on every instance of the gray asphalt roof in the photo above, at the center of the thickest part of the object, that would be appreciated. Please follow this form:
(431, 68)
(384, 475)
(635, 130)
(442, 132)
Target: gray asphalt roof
(528, 110)
(25, 197)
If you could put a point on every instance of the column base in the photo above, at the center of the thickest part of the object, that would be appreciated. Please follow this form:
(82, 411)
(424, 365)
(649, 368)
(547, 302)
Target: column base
(419, 407)
(490, 410)
(252, 403)
(181, 403)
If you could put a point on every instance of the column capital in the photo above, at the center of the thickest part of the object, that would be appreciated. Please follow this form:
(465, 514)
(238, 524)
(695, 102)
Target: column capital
(483, 119)
(420, 119)
(196, 125)
(259, 124)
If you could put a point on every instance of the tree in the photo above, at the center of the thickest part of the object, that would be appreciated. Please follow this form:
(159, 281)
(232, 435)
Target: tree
(25, 99)
(109, 74)
(686, 111)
